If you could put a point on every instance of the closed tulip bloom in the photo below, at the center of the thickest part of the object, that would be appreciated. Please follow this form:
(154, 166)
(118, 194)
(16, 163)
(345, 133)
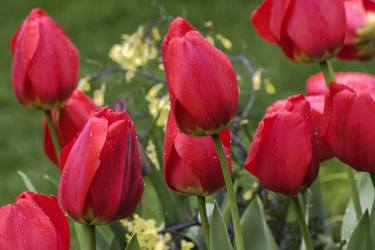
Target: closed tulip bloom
(68, 121)
(101, 179)
(45, 63)
(348, 126)
(317, 110)
(283, 154)
(191, 164)
(306, 30)
(202, 83)
(33, 222)
(316, 84)
(360, 30)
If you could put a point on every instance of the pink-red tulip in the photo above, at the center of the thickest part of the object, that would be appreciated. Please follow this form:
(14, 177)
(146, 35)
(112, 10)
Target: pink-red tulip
(101, 178)
(358, 81)
(348, 126)
(317, 109)
(191, 164)
(33, 222)
(283, 154)
(68, 121)
(202, 83)
(360, 30)
(306, 30)
(45, 64)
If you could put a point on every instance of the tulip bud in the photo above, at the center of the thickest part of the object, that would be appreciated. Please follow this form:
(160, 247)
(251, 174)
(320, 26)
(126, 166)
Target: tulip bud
(191, 164)
(348, 126)
(45, 64)
(306, 30)
(101, 178)
(202, 83)
(360, 30)
(316, 84)
(68, 121)
(33, 222)
(317, 108)
(283, 154)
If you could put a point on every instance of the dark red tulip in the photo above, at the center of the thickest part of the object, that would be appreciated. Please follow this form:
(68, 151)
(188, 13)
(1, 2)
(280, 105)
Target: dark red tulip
(360, 21)
(68, 121)
(191, 164)
(317, 109)
(33, 222)
(306, 30)
(358, 81)
(45, 64)
(283, 154)
(202, 83)
(101, 178)
(348, 126)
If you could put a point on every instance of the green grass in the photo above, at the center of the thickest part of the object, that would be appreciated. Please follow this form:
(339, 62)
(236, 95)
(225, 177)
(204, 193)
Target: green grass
(94, 26)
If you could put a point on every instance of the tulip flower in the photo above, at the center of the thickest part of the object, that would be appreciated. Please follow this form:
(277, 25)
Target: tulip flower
(191, 164)
(283, 154)
(348, 126)
(101, 178)
(45, 63)
(359, 81)
(68, 121)
(201, 81)
(317, 109)
(33, 222)
(360, 30)
(306, 30)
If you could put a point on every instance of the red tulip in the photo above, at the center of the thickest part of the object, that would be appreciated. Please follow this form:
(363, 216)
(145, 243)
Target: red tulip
(358, 81)
(46, 63)
(283, 154)
(360, 21)
(33, 222)
(202, 83)
(317, 109)
(348, 126)
(68, 121)
(101, 178)
(306, 30)
(191, 164)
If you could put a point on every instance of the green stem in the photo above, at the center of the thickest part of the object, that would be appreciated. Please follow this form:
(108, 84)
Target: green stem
(204, 220)
(230, 192)
(86, 236)
(328, 72)
(372, 176)
(298, 212)
(355, 193)
(54, 135)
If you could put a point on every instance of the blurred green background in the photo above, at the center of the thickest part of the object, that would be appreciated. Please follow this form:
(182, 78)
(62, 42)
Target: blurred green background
(94, 26)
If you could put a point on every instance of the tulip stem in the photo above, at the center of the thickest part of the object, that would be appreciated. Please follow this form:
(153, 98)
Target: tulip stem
(328, 72)
(372, 176)
(204, 220)
(86, 236)
(355, 193)
(299, 214)
(53, 133)
(230, 192)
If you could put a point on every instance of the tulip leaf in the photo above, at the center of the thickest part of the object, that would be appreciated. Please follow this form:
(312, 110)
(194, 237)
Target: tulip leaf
(133, 243)
(219, 236)
(366, 195)
(26, 180)
(361, 237)
(253, 222)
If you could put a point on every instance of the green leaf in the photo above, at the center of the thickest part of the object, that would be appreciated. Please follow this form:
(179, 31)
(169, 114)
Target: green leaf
(372, 224)
(253, 223)
(219, 237)
(133, 243)
(366, 195)
(29, 185)
(361, 237)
